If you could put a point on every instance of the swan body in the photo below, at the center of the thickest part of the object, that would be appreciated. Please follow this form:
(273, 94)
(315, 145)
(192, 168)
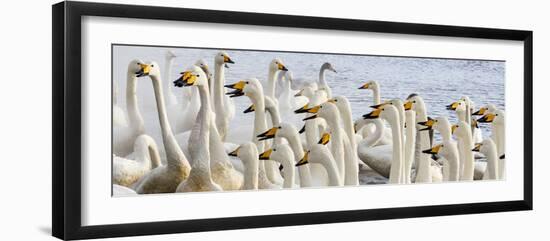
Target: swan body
(248, 153)
(449, 150)
(320, 154)
(463, 133)
(144, 158)
(489, 150)
(283, 154)
(423, 161)
(165, 178)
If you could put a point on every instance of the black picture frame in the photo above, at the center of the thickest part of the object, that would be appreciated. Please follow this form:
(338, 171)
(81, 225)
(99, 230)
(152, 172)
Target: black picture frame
(66, 61)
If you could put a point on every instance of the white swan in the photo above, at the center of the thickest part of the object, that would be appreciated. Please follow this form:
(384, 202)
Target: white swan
(443, 126)
(184, 113)
(489, 150)
(391, 114)
(248, 153)
(448, 149)
(200, 178)
(165, 178)
(252, 88)
(169, 58)
(124, 136)
(223, 105)
(410, 144)
(275, 66)
(222, 171)
(283, 154)
(289, 132)
(319, 153)
(384, 133)
(498, 135)
(341, 147)
(288, 101)
(423, 161)
(463, 133)
(322, 83)
(126, 171)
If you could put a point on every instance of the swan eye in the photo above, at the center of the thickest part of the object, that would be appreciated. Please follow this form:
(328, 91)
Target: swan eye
(138, 63)
(414, 101)
(198, 75)
(274, 149)
(246, 82)
(152, 66)
(280, 127)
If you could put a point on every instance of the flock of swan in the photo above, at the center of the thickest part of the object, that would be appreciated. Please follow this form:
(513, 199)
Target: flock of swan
(201, 153)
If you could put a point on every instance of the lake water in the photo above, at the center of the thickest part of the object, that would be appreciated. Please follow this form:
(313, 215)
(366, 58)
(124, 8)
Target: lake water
(438, 81)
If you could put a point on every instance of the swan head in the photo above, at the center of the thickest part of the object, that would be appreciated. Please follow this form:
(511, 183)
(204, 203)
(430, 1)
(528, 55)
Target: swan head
(148, 69)
(170, 54)
(339, 101)
(485, 109)
(278, 153)
(248, 87)
(328, 66)
(461, 129)
(429, 124)
(201, 63)
(317, 153)
(325, 139)
(323, 110)
(222, 58)
(497, 118)
(457, 106)
(485, 146)
(277, 64)
(194, 76)
(284, 129)
(382, 111)
(134, 66)
(247, 149)
(370, 85)
(415, 102)
(440, 149)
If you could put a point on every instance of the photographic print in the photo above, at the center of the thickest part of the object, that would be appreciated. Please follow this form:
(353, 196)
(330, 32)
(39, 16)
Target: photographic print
(200, 119)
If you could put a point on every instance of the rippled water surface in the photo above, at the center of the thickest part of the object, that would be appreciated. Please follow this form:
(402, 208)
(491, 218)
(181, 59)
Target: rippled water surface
(438, 81)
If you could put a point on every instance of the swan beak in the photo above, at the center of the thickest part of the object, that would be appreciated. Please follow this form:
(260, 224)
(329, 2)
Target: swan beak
(303, 109)
(428, 124)
(333, 70)
(488, 118)
(143, 70)
(281, 67)
(299, 93)
(373, 114)
(433, 150)
(238, 89)
(265, 155)
(502, 157)
(477, 147)
(453, 128)
(475, 123)
(408, 105)
(303, 129)
(251, 108)
(228, 60)
(235, 152)
(314, 109)
(365, 86)
(310, 118)
(187, 79)
(268, 134)
(452, 106)
(324, 139)
(481, 111)
(332, 101)
(379, 105)
(304, 160)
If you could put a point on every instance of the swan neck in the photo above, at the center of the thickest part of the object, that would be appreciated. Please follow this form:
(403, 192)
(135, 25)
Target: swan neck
(395, 171)
(492, 163)
(134, 116)
(218, 88)
(376, 95)
(174, 155)
(251, 173)
(271, 83)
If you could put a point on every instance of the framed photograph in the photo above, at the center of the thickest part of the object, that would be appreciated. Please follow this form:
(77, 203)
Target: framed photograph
(172, 120)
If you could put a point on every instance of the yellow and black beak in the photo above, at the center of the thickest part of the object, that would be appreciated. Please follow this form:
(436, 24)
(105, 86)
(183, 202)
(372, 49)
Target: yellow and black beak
(373, 114)
(408, 105)
(488, 118)
(300, 93)
(265, 155)
(302, 109)
(187, 79)
(325, 138)
(428, 124)
(237, 89)
(365, 86)
(251, 108)
(312, 110)
(281, 67)
(481, 111)
(433, 150)
(235, 152)
(143, 70)
(269, 134)
(477, 147)
(304, 160)
(452, 106)
(453, 128)
(227, 60)
(502, 157)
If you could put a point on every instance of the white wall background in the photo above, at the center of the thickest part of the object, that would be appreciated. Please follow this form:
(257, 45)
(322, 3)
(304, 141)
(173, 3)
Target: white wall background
(25, 103)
